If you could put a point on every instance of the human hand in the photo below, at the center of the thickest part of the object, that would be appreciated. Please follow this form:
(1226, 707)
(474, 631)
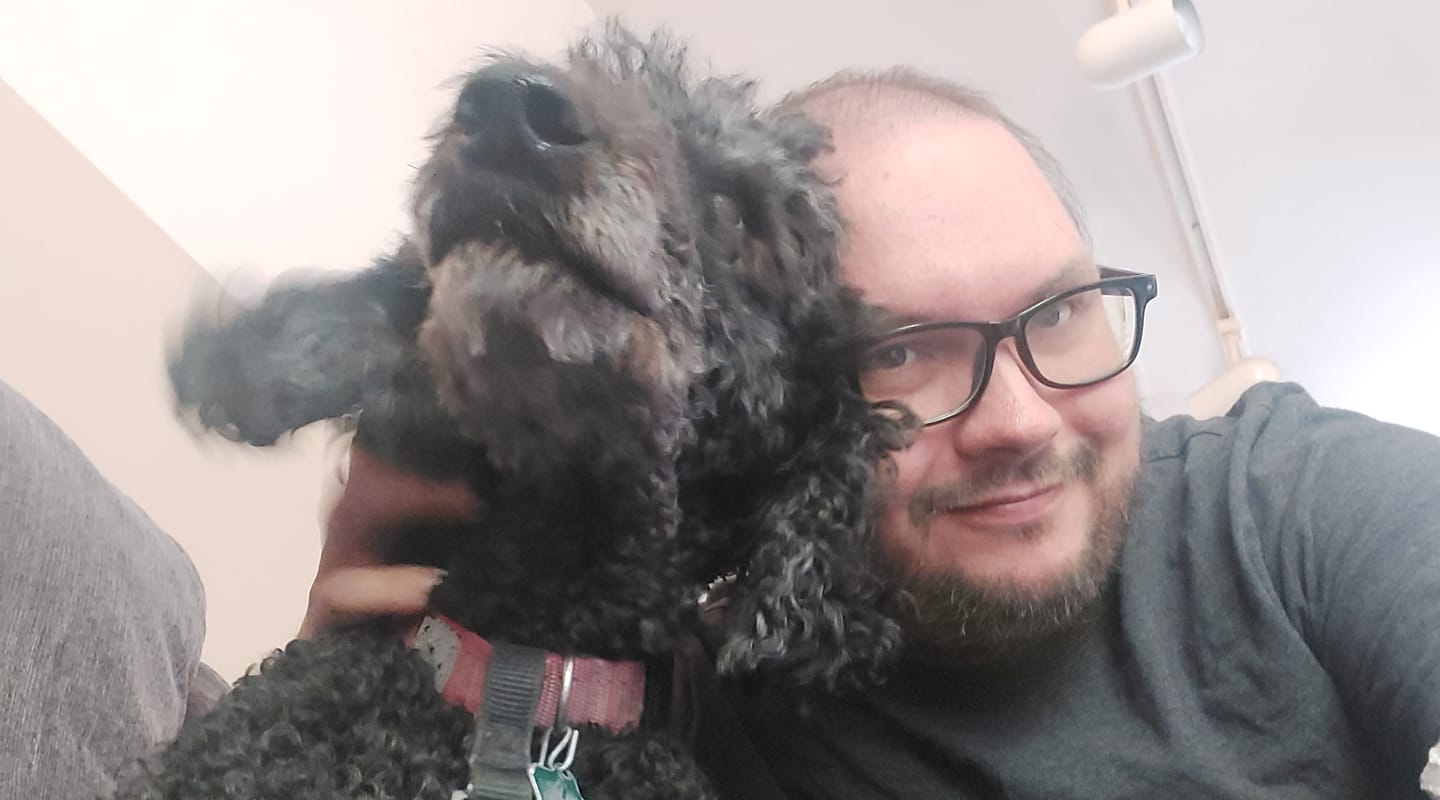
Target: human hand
(375, 501)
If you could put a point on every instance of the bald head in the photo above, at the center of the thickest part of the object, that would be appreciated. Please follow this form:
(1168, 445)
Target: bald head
(860, 107)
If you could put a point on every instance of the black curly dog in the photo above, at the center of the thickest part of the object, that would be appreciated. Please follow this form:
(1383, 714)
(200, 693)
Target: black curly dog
(619, 316)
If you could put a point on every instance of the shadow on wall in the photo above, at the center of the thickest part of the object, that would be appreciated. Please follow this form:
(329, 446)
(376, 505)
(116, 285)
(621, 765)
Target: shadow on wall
(90, 290)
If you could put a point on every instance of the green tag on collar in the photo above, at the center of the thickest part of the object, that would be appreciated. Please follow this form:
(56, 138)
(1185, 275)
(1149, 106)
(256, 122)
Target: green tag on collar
(553, 784)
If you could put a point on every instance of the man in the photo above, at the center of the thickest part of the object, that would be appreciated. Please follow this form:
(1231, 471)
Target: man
(1105, 606)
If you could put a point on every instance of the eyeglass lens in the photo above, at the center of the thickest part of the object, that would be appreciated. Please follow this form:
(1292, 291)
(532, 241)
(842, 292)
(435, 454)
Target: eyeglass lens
(1072, 340)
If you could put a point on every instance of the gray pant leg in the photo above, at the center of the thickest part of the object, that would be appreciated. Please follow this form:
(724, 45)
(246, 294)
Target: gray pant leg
(101, 617)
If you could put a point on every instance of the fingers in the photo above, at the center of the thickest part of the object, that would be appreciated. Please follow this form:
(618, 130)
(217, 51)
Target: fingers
(377, 499)
(348, 594)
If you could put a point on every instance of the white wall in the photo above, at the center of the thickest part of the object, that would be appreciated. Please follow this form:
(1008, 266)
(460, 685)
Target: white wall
(264, 134)
(1313, 127)
(141, 140)
(1021, 53)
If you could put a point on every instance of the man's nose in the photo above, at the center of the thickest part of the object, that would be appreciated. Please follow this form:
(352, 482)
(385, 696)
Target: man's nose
(1013, 414)
(510, 111)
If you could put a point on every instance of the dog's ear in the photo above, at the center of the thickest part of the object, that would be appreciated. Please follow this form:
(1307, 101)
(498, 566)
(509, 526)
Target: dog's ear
(310, 350)
(803, 138)
(811, 609)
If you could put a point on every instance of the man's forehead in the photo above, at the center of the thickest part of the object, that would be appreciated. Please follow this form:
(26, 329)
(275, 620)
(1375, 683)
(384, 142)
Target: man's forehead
(952, 219)
(1003, 293)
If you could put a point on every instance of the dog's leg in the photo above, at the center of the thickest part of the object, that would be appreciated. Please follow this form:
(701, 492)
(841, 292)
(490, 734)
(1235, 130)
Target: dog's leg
(305, 353)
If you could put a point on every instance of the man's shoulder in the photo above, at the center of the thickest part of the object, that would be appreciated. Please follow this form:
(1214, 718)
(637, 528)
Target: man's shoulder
(1270, 416)
(1182, 436)
(1273, 428)
(1220, 489)
(1280, 489)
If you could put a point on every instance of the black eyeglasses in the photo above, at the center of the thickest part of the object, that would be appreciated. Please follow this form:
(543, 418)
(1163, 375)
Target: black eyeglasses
(1076, 338)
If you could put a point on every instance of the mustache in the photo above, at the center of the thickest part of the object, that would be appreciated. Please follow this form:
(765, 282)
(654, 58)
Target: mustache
(1044, 469)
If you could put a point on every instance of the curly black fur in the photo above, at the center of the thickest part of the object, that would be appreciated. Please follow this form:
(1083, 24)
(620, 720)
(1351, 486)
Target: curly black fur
(620, 317)
(357, 716)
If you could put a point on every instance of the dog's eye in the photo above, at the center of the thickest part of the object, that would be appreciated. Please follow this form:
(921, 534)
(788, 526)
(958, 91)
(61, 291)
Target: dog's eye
(725, 212)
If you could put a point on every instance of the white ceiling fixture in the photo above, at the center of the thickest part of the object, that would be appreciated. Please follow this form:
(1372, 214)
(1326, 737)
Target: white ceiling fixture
(1131, 48)
(1139, 40)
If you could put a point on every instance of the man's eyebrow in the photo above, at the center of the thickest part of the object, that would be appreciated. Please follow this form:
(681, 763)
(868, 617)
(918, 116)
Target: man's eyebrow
(1079, 270)
(1073, 273)
(888, 320)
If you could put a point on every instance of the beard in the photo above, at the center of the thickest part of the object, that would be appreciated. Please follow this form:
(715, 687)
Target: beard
(952, 620)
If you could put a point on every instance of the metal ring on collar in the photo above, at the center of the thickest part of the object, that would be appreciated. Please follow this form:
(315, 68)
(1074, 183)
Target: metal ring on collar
(567, 680)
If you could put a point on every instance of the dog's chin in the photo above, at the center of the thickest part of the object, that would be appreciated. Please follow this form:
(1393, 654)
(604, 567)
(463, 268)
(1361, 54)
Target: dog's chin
(518, 346)
(594, 422)
(596, 218)
(480, 284)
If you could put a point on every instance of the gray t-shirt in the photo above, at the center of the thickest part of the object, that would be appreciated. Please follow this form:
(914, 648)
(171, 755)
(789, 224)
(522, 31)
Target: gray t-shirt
(1273, 632)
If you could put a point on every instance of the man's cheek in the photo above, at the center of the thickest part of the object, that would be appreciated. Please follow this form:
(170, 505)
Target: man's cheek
(905, 473)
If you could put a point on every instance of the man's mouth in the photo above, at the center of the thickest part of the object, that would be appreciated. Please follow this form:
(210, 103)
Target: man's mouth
(1011, 507)
(1010, 497)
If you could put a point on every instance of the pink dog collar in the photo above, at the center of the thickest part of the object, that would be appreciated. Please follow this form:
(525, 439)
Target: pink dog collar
(610, 694)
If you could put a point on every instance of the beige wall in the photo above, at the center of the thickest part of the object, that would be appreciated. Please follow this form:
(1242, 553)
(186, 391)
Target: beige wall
(266, 134)
(89, 288)
(174, 147)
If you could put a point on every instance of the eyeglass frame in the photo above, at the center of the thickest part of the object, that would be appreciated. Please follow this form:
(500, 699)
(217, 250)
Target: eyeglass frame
(1142, 286)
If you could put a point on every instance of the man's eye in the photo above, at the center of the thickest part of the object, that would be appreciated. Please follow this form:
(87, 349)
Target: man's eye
(892, 356)
(1054, 315)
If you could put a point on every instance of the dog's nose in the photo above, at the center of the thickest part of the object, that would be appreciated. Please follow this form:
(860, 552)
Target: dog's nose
(505, 107)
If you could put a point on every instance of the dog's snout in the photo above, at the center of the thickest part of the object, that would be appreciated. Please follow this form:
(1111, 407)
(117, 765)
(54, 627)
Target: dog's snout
(552, 116)
(507, 108)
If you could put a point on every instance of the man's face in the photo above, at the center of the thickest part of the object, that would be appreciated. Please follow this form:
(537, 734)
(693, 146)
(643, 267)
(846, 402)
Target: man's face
(1006, 519)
